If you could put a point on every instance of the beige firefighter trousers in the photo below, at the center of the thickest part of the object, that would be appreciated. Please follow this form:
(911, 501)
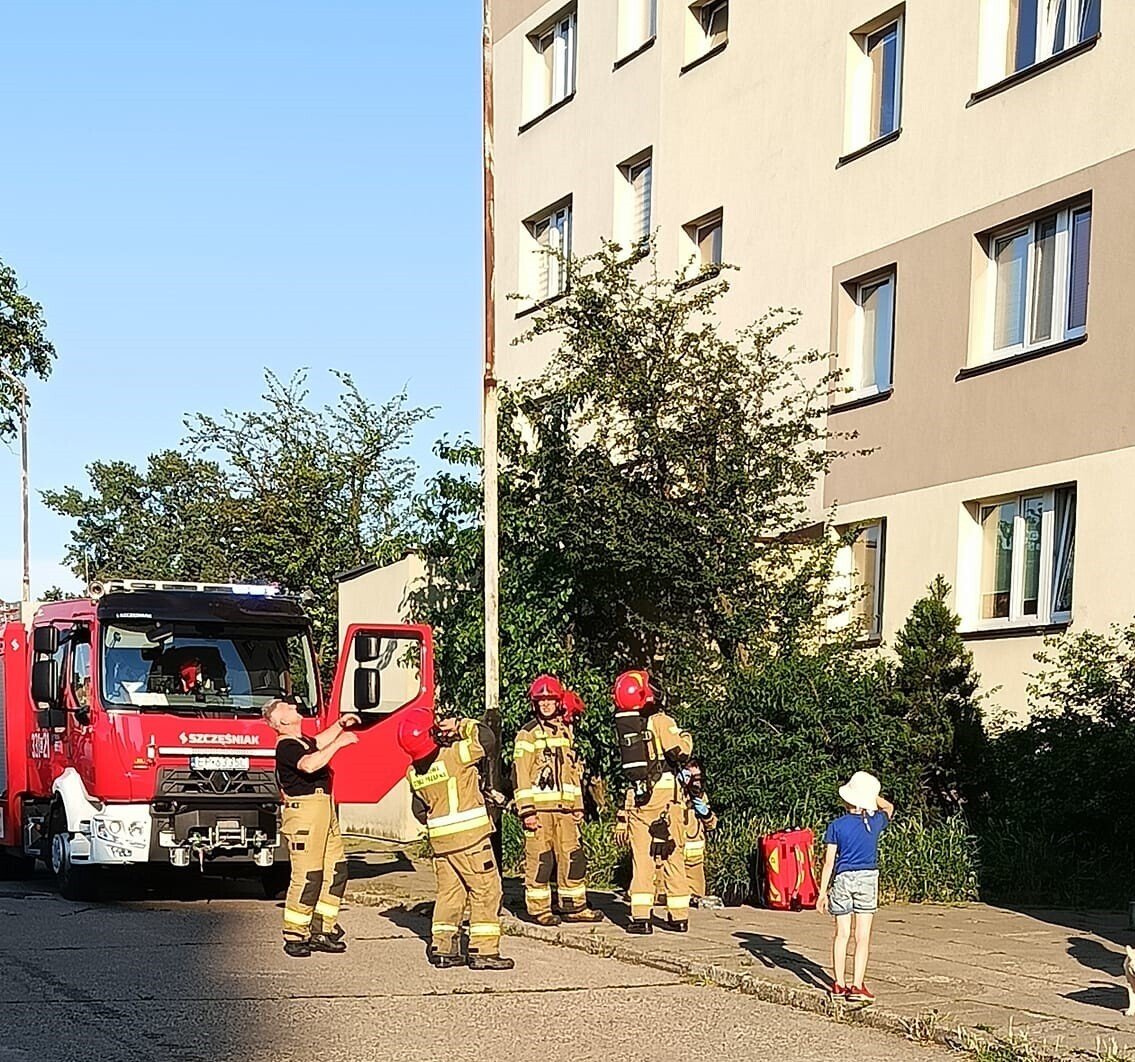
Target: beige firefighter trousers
(470, 876)
(319, 866)
(664, 849)
(554, 849)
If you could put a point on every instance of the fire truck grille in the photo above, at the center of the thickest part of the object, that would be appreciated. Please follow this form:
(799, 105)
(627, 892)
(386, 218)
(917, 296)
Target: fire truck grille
(185, 782)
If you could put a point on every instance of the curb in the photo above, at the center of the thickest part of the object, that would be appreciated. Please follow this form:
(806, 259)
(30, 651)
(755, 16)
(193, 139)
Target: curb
(927, 1028)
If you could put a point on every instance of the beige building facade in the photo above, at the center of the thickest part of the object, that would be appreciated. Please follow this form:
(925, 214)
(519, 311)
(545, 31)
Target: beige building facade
(943, 191)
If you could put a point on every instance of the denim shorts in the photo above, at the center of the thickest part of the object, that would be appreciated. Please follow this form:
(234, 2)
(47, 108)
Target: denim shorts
(854, 892)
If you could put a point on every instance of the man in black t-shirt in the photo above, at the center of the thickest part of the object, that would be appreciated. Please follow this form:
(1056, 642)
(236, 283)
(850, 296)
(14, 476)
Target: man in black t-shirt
(319, 865)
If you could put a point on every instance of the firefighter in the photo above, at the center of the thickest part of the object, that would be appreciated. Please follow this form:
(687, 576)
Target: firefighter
(319, 865)
(549, 801)
(448, 800)
(699, 820)
(653, 819)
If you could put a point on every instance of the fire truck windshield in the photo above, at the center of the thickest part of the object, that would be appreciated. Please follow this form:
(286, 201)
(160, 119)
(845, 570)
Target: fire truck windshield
(202, 667)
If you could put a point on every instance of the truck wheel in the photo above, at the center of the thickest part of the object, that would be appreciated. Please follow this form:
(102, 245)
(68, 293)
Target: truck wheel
(275, 880)
(75, 883)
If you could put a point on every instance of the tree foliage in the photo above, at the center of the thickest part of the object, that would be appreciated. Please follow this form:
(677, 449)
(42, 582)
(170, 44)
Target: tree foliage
(650, 482)
(25, 349)
(288, 493)
(935, 688)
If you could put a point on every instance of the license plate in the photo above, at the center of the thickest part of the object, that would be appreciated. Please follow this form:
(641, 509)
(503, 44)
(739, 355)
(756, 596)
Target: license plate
(219, 763)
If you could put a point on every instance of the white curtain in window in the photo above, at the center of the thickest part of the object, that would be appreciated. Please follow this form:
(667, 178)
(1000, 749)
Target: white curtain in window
(642, 176)
(1064, 550)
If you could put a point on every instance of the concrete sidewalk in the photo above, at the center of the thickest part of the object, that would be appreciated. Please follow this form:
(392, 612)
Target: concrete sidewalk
(1053, 976)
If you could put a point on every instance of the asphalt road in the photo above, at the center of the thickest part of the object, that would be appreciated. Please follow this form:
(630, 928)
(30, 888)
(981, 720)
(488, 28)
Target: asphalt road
(175, 977)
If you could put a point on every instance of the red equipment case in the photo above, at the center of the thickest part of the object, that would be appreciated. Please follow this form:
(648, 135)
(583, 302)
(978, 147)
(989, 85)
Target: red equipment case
(787, 879)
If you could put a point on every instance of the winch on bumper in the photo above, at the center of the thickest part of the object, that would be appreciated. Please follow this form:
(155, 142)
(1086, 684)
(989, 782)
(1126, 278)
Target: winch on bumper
(229, 815)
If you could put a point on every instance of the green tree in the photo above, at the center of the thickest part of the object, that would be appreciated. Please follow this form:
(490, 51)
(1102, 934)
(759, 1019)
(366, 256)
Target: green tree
(935, 687)
(289, 493)
(650, 482)
(25, 349)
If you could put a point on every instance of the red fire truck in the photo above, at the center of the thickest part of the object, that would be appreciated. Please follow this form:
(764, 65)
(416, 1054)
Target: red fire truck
(130, 727)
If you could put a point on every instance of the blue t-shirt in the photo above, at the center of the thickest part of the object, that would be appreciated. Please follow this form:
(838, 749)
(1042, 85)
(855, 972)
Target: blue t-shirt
(856, 840)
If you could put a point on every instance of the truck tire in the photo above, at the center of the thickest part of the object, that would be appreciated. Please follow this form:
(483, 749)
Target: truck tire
(74, 883)
(275, 880)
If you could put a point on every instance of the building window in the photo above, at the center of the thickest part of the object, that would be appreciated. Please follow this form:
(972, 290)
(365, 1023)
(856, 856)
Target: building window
(550, 251)
(859, 564)
(1039, 276)
(707, 28)
(869, 357)
(1039, 29)
(638, 23)
(552, 63)
(1028, 549)
(638, 178)
(874, 81)
(705, 241)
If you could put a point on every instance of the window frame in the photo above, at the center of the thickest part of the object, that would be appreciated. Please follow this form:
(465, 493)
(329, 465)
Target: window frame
(1060, 330)
(871, 631)
(706, 13)
(1073, 16)
(633, 21)
(632, 167)
(716, 220)
(554, 261)
(857, 353)
(898, 22)
(1046, 614)
(564, 64)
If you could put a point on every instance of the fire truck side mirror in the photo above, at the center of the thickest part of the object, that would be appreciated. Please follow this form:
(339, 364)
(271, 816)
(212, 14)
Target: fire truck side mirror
(45, 640)
(368, 648)
(45, 681)
(368, 695)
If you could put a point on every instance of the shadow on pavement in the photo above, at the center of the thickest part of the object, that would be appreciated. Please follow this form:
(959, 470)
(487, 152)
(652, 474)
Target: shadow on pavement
(1096, 956)
(773, 953)
(415, 918)
(1110, 925)
(1109, 997)
(363, 867)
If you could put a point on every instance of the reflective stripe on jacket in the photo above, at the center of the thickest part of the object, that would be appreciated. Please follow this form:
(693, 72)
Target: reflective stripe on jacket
(450, 789)
(543, 752)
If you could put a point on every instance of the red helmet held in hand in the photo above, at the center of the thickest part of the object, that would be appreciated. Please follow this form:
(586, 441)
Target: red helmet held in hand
(632, 692)
(415, 733)
(573, 706)
(546, 687)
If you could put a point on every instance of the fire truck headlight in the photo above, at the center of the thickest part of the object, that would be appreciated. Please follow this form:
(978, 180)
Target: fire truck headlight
(136, 829)
(107, 829)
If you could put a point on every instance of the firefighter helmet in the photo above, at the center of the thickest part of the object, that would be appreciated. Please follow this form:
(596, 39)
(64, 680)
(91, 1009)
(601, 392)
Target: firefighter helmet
(633, 692)
(546, 687)
(573, 706)
(415, 733)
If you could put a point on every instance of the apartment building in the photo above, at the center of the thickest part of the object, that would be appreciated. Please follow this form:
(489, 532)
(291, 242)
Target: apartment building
(944, 190)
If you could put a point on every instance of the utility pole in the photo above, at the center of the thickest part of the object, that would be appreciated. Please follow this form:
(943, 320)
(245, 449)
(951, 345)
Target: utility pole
(27, 590)
(489, 407)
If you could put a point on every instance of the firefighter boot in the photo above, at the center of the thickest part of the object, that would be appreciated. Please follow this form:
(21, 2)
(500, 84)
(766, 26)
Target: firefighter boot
(587, 914)
(444, 962)
(641, 926)
(328, 943)
(676, 927)
(489, 962)
(547, 919)
(297, 949)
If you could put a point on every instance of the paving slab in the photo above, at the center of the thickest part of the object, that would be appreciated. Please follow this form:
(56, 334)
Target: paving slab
(1055, 974)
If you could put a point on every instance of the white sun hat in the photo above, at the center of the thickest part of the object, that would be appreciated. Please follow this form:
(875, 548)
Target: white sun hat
(861, 791)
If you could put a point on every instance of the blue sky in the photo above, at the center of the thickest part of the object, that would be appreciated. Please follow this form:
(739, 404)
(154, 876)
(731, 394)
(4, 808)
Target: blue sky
(198, 191)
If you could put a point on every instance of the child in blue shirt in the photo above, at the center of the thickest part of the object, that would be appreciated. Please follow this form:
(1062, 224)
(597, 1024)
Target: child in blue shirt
(849, 883)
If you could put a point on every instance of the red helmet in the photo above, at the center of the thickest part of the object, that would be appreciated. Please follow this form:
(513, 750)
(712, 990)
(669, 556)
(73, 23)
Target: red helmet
(632, 691)
(573, 706)
(415, 733)
(190, 673)
(546, 687)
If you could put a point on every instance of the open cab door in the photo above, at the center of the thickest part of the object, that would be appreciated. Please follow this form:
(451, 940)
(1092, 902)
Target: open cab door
(383, 669)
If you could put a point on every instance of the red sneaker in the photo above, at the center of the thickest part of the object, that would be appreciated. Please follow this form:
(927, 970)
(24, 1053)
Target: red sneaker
(837, 992)
(860, 994)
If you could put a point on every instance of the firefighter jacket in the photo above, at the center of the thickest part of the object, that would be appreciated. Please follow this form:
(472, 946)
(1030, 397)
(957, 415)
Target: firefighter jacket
(448, 797)
(668, 746)
(548, 773)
